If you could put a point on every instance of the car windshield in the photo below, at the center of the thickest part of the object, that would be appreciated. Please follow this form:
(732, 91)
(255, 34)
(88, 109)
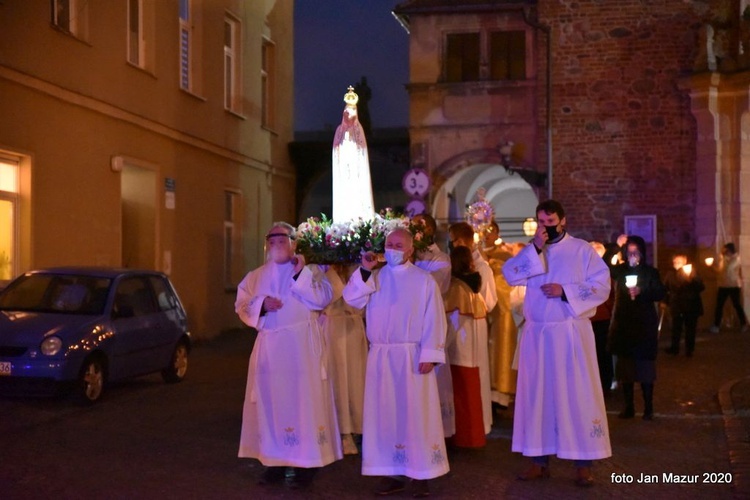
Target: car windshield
(56, 293)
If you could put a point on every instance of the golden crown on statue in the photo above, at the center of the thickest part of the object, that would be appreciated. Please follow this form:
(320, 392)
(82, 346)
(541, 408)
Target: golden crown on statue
(350, 98)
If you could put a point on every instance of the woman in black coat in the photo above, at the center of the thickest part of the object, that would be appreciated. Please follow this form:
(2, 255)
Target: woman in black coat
(633, 334)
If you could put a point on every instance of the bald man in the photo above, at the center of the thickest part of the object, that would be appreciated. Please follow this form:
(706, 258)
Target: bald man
(406, 327)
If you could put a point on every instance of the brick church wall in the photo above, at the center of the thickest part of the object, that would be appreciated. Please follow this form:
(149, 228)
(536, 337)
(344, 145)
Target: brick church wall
(623, 135)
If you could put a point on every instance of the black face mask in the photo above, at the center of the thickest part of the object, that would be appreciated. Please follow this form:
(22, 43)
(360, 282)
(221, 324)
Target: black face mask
(552, 232)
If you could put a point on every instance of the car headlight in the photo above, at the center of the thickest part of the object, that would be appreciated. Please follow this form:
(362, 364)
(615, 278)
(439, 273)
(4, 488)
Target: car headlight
(51, 346)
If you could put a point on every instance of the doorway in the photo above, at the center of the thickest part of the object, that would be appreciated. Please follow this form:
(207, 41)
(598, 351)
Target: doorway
(512, 198)
(139, 217)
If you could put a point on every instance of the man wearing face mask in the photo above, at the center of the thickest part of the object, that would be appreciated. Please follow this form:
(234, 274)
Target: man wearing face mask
(406, 328)
(288, 418)
(559, 403)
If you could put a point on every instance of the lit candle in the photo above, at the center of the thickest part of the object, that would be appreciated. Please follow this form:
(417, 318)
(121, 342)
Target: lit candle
(631, 281)
(709, 261)
(476, 237)
(615, 260)
(687, 269)
(498, 242)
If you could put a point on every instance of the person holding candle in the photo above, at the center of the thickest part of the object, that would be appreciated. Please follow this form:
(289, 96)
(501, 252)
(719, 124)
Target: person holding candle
(684, 288)
(633, 333)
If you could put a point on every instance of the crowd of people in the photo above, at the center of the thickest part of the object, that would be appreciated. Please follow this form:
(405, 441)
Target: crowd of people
(406, 359)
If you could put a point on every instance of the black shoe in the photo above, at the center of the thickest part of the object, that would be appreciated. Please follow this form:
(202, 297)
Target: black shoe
(626, 413)
(648, 416)
(272, 475)
(420, 488)
(498, 407)
(303, 478)
(672, 351)
(389, 486)
(689, 354)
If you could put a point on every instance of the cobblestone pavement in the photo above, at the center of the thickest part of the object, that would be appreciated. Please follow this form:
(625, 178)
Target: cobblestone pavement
(148, 439)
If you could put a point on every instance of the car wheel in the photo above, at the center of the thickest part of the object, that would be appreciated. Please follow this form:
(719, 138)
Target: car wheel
(177, 368)
(91, 381)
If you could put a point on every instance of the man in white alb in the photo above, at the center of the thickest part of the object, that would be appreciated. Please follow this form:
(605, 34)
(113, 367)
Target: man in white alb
(406, 327)
(559, 406)
(288, 419)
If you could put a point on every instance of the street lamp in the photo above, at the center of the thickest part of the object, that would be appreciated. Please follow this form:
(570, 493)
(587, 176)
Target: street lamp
(529, 226)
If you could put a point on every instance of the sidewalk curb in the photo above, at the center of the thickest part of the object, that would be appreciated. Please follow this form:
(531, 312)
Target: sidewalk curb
(738, 443)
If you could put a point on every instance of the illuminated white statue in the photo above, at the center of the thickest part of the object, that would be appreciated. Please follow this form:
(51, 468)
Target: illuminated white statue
(352, 189)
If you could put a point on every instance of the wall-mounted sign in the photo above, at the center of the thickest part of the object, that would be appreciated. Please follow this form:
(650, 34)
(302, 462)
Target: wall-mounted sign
(415, 207)
(416, 183)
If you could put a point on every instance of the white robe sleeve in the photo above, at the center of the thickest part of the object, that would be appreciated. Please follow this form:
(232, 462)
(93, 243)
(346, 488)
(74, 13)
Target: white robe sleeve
(435, 327)
(312, 288)
(357, 292)
(489, 288)
(439, 269)
(526, 264)
(248, 305)
(594, 290)
(337, 285)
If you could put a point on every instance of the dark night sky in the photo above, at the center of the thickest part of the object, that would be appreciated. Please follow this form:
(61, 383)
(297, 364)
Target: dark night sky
(336, 42)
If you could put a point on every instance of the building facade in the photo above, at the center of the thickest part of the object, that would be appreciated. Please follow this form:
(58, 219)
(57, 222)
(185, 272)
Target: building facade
(146, 133)
(631, 113)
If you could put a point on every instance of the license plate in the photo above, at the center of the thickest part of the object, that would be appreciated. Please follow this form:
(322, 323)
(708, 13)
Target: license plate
(4, 368)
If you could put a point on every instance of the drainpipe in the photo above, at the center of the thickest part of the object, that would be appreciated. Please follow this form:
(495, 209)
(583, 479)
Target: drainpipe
(547, 30)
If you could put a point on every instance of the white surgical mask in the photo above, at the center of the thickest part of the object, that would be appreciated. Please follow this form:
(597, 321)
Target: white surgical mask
(394, 257)
(633, 260)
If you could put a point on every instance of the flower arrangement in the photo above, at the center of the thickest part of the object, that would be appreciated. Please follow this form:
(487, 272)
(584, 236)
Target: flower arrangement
(323, 241)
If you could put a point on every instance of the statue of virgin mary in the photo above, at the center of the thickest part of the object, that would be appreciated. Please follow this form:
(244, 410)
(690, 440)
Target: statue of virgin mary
(352, 189)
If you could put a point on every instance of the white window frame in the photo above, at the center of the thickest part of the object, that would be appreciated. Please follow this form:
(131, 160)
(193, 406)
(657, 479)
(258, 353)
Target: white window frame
(76, 22)
(231, 235)
(137, 56)
(232, 65)
(185, 44)
(71, 21)
(267, 77)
